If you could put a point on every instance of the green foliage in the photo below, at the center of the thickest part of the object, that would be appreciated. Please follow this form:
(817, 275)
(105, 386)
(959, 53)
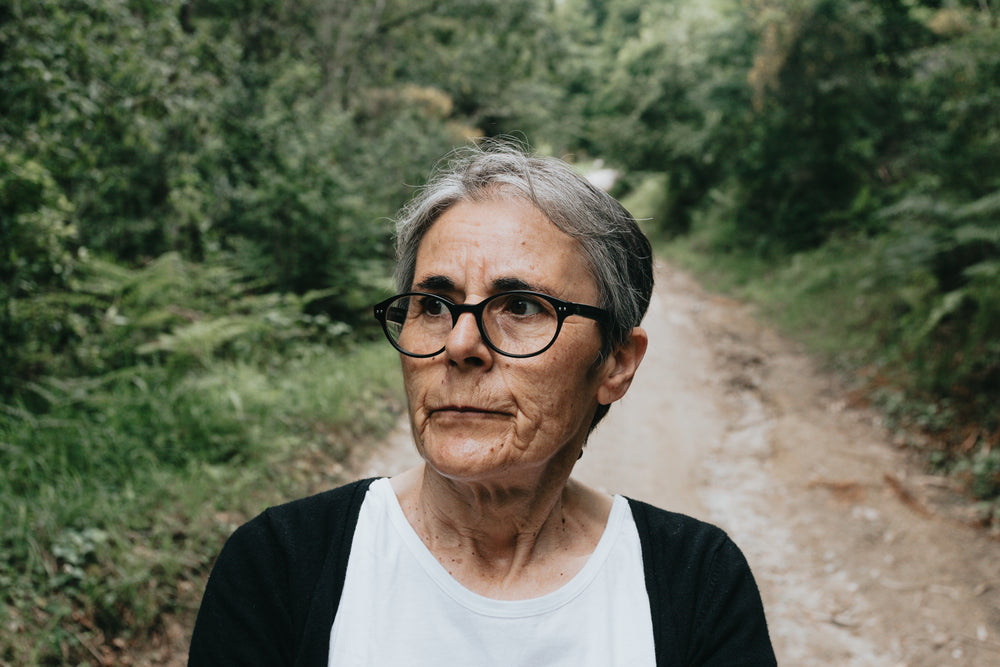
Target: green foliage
(108, 101)
(496, 66)
(108, 498)
(34, 232)
(838, 161)
(814, 115)
(194, 204)
(663, 102)
(277, 137)
(823, 114)
(35, 224)
(950, 104)
(949, 318)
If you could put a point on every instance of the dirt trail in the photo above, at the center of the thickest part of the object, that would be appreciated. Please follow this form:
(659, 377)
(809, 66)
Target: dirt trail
(861, 559)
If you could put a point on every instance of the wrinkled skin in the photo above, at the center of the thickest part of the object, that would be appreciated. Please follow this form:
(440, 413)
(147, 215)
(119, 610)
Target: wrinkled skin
(476, 414)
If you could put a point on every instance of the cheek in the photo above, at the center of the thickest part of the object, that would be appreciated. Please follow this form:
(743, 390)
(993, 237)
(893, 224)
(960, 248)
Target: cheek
(416, 385)
(554, 402)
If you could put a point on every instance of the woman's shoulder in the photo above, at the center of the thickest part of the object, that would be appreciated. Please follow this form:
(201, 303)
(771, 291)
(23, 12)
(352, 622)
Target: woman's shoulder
(686, 555)
(304, 528)
(336, 501)
(298, 540)
(319, 513)
(655, 523)
(703, 597)
(277, 580)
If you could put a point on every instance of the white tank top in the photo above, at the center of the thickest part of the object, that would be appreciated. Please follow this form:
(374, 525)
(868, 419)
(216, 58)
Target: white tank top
(401, 607)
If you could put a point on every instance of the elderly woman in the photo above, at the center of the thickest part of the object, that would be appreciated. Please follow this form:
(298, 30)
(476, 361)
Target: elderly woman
(522, 288)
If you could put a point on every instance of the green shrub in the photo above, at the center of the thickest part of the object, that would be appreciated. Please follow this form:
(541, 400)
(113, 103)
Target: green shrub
(115, 498)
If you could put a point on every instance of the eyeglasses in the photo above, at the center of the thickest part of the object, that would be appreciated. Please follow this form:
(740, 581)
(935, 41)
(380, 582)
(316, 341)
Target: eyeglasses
(515, 324)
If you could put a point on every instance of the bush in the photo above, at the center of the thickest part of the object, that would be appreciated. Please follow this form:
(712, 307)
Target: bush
(116, 497)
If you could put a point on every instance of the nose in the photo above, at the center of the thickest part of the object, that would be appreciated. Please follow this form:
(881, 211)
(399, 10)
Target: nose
(465, 346)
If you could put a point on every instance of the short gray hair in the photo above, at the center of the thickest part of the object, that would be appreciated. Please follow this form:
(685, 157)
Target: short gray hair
(618, 253)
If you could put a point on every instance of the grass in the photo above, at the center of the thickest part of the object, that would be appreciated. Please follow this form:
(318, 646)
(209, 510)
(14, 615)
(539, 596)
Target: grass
(115, 499)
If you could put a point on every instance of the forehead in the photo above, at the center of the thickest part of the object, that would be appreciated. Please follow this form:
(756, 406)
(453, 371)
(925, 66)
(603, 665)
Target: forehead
(486, 244)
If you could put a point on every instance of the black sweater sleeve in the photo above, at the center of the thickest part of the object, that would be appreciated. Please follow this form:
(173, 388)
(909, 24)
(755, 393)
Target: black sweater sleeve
(703, 599)
(275, 587)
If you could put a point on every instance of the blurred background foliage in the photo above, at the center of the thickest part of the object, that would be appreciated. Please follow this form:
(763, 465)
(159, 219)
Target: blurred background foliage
(839, 162)
(194, 218)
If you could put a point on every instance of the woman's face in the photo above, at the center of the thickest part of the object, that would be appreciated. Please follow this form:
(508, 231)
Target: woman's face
(480, 416)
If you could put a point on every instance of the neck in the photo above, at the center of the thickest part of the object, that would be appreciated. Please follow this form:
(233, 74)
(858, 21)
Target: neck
(503, 540)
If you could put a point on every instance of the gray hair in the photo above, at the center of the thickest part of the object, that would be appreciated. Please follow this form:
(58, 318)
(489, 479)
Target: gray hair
(618, 254)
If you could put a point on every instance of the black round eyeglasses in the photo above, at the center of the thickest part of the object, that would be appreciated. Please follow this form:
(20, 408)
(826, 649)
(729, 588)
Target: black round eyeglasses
(515, 324)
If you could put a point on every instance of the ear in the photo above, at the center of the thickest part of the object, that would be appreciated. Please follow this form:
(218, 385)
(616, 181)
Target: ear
(621, 366)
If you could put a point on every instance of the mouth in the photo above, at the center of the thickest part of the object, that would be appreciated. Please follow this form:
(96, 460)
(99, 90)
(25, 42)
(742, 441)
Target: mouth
(465, 410)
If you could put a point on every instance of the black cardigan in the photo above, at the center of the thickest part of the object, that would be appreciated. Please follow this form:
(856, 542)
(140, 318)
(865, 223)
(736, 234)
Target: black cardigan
(274, 591)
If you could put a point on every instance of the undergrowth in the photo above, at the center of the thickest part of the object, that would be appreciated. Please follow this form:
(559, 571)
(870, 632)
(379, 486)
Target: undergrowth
(191, 408)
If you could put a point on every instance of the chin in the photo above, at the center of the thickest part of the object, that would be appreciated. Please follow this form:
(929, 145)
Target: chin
(463, 457)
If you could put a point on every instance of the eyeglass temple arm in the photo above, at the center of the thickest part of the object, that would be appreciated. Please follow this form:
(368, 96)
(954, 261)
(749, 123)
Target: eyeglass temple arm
(593, 312)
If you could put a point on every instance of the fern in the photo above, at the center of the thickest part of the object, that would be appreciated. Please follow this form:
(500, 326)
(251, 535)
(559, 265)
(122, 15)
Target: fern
(199, 340)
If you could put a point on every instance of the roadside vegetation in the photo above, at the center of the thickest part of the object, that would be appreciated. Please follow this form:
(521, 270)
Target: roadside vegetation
(194, 205)
(119, 486)
(839, 164)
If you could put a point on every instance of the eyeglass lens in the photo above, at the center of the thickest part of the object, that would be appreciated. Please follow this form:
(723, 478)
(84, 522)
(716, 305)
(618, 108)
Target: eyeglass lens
(514, 323)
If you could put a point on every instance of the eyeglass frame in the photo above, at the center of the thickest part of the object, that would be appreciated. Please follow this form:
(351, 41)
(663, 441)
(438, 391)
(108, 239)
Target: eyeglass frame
(563, 310)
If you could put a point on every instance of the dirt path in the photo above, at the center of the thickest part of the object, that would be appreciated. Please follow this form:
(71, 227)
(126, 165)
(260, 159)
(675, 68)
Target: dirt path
(861, 559)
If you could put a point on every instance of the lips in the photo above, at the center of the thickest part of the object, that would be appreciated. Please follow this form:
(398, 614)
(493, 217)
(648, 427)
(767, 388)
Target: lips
(462, 409)
(468, 405)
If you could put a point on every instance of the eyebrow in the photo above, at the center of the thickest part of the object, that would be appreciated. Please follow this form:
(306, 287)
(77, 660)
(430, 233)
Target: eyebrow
(440, 283)
(435, 284)
(507, 284)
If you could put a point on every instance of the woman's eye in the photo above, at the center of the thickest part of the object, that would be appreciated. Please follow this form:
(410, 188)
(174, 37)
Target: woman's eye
(433, 307)
(523, 306)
